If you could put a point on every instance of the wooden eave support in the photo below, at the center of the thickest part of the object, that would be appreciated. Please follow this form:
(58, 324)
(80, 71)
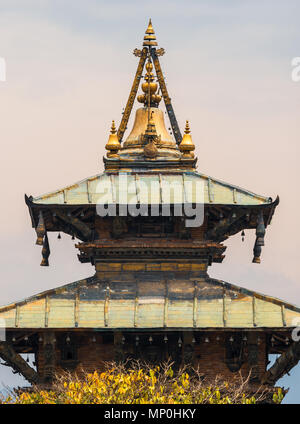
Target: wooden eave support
(15, 360)
(283, 364)
(223, 226)
(76, 223)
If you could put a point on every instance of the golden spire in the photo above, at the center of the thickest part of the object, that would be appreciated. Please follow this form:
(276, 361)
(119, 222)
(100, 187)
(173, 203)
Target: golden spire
(187, 146)
(150, 39)
(113, 144)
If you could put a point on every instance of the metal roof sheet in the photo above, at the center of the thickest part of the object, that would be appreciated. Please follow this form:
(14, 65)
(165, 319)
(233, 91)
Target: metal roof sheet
(149, 303)
(151, 188)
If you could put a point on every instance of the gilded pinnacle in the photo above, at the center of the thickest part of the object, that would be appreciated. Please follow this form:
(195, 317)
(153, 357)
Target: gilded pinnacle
(187, 146)
(150, 39)
(113, 128)
(187, 128)
(113, 144)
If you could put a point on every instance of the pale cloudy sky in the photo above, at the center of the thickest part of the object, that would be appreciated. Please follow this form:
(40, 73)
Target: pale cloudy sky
(228, 68)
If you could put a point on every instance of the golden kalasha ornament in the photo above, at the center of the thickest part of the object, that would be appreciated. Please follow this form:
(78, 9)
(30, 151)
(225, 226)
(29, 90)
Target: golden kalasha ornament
(187, 146)
(150, 39)
(113, 144)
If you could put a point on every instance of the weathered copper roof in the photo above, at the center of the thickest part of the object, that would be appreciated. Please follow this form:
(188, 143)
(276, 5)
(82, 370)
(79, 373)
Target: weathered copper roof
(187, 188)
(150, 303)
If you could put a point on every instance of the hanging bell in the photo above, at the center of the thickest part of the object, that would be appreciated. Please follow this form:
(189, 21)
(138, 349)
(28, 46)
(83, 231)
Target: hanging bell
(27, 360)
(166, 339)
(179, 342)
(59, 236)
(73, 237)
(243, 235)
(150, 339)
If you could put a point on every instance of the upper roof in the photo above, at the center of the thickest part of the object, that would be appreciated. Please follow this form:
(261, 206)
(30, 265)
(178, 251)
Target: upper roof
(151, 187)
(152, 302)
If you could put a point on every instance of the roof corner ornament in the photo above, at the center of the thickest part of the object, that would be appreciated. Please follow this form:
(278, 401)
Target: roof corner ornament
(260, 238)
(40, 230)
(113, 144)
(45, 252)
(187, 146)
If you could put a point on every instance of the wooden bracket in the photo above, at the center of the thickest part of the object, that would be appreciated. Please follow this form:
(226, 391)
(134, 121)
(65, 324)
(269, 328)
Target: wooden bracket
(19, 365)
(283, 364)
(76, 223)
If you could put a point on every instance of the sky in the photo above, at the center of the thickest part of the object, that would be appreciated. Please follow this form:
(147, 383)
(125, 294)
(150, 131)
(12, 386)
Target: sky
(69, 69)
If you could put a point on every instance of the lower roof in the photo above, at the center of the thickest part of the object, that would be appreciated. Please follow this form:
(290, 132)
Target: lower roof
(201, 304)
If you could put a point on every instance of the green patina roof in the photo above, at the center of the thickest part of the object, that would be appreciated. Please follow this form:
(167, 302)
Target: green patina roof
(186, 187)
(200, 304)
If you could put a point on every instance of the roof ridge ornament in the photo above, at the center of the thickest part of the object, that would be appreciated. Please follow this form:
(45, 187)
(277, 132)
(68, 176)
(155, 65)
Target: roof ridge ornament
(187, 146)
(113, 144)
(150, 38)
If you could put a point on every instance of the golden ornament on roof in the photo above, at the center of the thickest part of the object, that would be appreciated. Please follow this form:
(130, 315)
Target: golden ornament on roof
(149, 88)
(113, 144)
(187, 146)
(150, 39)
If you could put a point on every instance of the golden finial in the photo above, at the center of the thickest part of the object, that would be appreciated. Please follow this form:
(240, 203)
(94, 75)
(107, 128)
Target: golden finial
(113, 144)
(187, 146)
(150, 39)
(150, 29)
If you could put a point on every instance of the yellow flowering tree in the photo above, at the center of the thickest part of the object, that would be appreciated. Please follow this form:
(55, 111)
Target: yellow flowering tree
(143, 385)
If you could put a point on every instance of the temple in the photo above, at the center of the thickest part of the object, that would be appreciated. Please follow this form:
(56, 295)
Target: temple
(151, 225)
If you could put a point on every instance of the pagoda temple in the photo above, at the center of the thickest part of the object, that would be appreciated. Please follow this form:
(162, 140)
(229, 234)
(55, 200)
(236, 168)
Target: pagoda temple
(151, 225)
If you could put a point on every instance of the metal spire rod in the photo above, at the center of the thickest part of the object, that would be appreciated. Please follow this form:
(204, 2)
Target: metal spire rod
(132, 95)
(167, 99)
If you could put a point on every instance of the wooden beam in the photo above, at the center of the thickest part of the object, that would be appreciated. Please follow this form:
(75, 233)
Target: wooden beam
(15, 361)
(223, 226)
(283, 364)
(77, 224)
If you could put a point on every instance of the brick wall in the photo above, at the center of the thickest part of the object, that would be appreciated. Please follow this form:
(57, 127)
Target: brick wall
(209, 354)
